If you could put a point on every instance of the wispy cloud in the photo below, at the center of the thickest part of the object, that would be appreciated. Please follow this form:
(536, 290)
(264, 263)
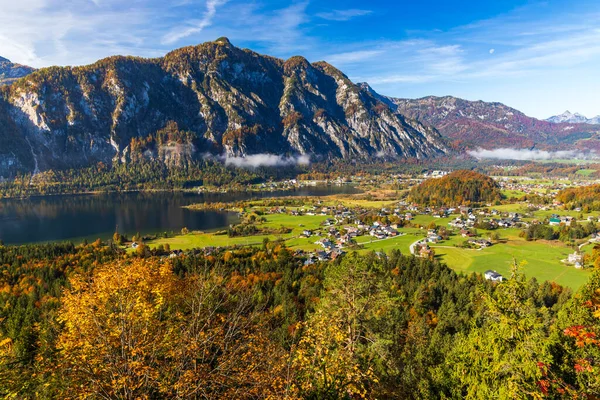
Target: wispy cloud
(518, 46)
(46, 32)
(408, 61)
(194, 26)
(465, 54)
(353, 56)
(262, 160)
(530, 155)
(343, 15)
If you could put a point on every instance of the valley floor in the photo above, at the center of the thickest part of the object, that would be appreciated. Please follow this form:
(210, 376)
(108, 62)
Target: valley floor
(542, 259)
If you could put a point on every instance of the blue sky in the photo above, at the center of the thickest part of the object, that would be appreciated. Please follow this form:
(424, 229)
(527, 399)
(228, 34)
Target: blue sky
(541, 57)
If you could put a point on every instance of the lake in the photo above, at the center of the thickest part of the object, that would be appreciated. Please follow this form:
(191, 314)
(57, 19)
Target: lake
(78, 217)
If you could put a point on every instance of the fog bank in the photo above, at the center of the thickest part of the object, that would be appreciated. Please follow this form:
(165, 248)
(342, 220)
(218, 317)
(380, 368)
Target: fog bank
(530, 155)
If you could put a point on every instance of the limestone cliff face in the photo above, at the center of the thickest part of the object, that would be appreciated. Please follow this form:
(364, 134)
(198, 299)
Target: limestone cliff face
(234, 101)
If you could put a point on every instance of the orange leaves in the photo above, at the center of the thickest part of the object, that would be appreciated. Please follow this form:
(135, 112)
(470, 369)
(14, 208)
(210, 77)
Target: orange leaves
(228, 256)
(583, 336)
(457, 188)
(252, 279)
(136, 330)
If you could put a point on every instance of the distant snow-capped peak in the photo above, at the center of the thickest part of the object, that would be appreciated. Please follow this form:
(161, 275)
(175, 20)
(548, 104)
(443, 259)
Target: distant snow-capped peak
(575, 118)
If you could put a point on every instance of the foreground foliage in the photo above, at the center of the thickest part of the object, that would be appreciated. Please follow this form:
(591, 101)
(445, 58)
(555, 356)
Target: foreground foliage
(92, 322)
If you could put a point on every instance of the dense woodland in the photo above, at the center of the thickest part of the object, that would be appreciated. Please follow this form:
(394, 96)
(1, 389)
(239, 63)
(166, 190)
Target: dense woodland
(457, 188)
(90, 321)
(585, 197)
(143, 174)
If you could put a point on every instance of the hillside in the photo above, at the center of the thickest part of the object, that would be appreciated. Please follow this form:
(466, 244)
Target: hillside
(9, 72)
(479, 124)
(233, 102)
(584, 197)
(457, 188)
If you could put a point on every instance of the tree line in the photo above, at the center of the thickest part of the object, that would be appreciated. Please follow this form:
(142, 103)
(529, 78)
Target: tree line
(93, 321)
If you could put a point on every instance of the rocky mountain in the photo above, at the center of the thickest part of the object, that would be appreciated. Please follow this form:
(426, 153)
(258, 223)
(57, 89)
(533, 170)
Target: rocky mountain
(479, 124)
(9, 72)
(229, 101)
(576, 118)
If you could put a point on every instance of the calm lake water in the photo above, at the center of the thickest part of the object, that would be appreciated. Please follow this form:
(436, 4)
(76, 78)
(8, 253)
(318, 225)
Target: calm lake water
(78, 217)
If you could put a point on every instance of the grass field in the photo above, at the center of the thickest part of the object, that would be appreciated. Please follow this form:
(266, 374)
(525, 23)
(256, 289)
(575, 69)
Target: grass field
(196, 239)
(585, 172)
(513, 193)
(543, 259)
(354, 202)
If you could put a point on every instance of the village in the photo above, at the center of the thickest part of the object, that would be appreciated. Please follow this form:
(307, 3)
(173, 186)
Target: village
(529, 221)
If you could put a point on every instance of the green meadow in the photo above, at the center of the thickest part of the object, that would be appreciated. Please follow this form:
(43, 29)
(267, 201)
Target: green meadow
(542, 259)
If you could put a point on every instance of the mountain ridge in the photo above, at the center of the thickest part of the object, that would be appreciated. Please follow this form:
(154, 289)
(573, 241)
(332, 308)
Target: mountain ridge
(231, 101)
(10, 72)
(489, 125)
(576, 118)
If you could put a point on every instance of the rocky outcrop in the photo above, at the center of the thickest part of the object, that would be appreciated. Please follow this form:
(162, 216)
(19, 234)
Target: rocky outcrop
(233, 101)
(9, 72)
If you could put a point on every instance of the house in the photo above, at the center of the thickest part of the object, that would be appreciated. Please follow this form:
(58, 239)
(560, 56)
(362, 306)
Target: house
(466, 233)
(567, 220)
(434, 238)
(481, 243)
(575, 259)
(335, 253)
(309, 261)
(306, 233)
(425, 251)
(134, 245)
(493, 276)
(326, 243)
(390, 231)
(343, 240)
(465, 210)
(554, 221)
(484, 243)
(176, 253)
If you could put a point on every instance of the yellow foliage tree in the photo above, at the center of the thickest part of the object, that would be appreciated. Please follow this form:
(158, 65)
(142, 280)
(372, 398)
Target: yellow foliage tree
(325, 366)
(134, 330)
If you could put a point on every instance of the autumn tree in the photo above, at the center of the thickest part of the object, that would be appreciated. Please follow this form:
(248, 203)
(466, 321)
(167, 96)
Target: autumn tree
(344, 338)
(579, 333)
(506, 355)
(135, 330)
(457, 188)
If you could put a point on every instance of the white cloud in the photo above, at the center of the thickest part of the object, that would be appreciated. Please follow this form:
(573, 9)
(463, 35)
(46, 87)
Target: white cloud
(412, 61)
(492, 51)
(194, 26)
(265, 160)
(343, 15)
(353, 56)
(530, 155)
(47, 32)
